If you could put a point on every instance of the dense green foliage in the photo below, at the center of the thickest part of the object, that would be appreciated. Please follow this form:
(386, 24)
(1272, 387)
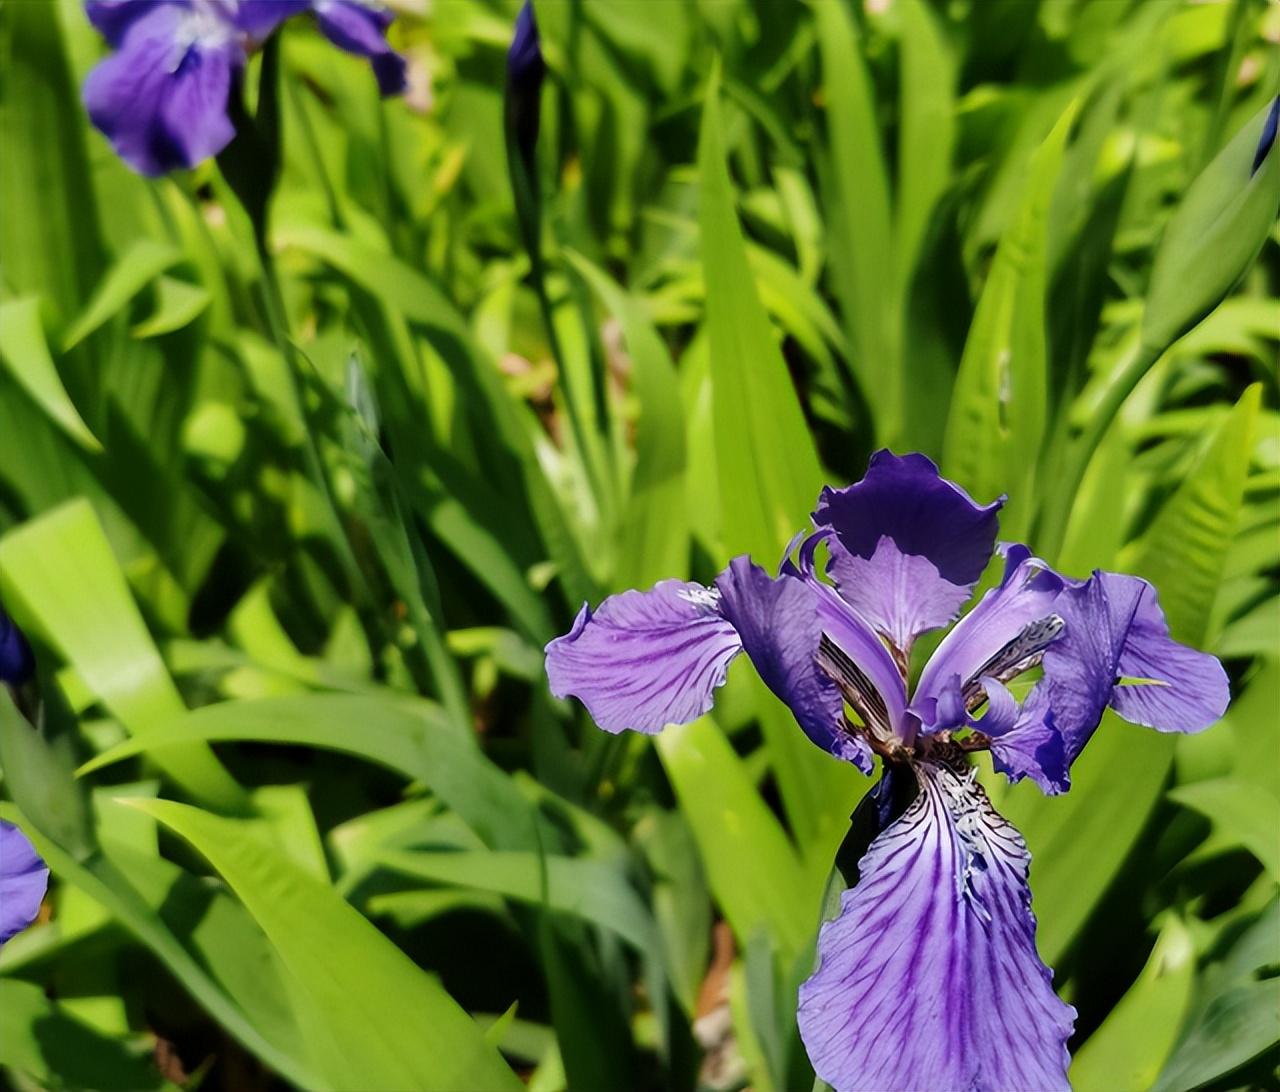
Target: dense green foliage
(289, 525)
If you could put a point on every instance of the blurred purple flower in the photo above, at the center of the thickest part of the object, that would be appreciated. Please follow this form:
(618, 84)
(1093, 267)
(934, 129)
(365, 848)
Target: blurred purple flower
(17, 664)
(1267, 139)
(525, 72)
(162, 97)
(23, 880)
(929, 977)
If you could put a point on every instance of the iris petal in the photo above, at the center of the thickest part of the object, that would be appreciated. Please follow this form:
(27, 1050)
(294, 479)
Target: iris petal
(162, 99)
(23, 879)
(358, 27)
(644, 660)
(929, 978)
(909, 544)
(778, 622)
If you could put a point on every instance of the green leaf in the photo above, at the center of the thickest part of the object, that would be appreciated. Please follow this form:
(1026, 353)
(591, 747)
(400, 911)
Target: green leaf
(997, 419)
(753, 871)
(1238, 1026)
(1214, 236)
(858, 210)
(26, 353)
(49, 1046)
(370, 1017)
(133, 271)
(1127, 1052)
(178, 303)
(655, 530)
(767, 468)
(1184, 550)
(48, 219)
(595, 891)
(406, 735)
(1247, 814)
(61, 581)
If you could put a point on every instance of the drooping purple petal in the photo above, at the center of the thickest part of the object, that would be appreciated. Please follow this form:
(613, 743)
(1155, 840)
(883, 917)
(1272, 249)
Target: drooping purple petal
(1182, 690)
(162, 98)
(17, 663)
(911, 544)
(1031, 746)
(929, 977)
(23, 880)
(644, 660)
(777, 621)
(359, 27)
(1004, 626)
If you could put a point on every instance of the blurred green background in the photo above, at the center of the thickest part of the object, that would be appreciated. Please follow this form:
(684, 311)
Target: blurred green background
(290, 525)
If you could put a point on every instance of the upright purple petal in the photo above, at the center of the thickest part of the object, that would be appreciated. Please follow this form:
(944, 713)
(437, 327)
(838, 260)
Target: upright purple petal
(162, 98)
(929, 979)
(910, 545)
(258, 18)
(1181, 689)
(1002, 625)
(113, 18)
(359, 27)
(780, 629)
(644, 660)
(23, 880)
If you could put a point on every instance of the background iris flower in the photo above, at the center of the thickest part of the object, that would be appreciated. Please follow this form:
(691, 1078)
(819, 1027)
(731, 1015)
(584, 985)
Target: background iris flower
(929, 977)
(162, 98)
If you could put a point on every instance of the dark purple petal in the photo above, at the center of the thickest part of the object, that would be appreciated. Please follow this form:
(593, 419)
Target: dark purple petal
(780, 627)
(644, 660)
(1027, 595)
(23, 880)
(911, 544)
(1184, 690)
(929, 977)
(17, 663)
(258, 18)
(1267, 138)
(162, 99)
(358, 27)
(113, 18)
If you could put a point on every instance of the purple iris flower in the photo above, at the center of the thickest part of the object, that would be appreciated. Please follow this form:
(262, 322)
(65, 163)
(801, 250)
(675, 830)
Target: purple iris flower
(23, 880)
(929, 977)
(162, 98)
(17, 664)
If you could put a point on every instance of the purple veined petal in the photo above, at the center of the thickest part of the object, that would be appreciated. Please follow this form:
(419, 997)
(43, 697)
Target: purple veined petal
(911, 544)
(1001, 627)
(779, 624)
(162, 98)
(644, 660)
(23, 880)
(929, 979)
(1183, 690)
(358, 26)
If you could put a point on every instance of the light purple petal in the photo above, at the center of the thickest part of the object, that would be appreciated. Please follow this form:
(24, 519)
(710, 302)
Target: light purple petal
(23, 880)
(929, 977)
(644, 660)
(1031, 746)
(162, 99)
(358, 27)
(939, 541)
(780, 627)
(1027, 594)
(1188, 690)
